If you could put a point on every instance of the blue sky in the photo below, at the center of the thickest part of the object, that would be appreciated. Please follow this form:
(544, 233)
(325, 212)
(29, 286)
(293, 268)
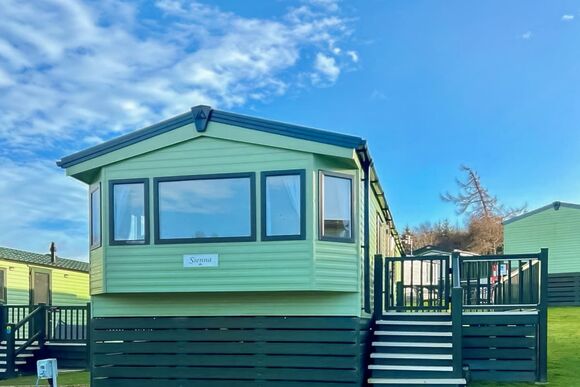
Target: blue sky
(493, 85)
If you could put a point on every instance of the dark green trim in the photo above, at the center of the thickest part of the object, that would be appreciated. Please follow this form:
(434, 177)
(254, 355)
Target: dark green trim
(112, 183)
(366, 237)
(95, 188)
(263, 178)
(555, 206)
(200, 116)
(250, 238)
(542, 374)
(321, 174)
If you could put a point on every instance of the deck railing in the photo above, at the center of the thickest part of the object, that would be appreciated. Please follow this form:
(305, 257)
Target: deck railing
(27, 325)
(415, 283)
(493, 283)
(67, 323)
(504, 282)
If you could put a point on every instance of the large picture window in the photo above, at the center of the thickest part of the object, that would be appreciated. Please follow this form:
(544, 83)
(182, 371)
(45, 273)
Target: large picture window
(209, 208)
(336, 207)
(129, 214)
(283, 205)
(95, 216)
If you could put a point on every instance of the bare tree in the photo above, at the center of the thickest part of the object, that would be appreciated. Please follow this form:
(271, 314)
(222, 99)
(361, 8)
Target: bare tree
(483, 210)
(475, 200)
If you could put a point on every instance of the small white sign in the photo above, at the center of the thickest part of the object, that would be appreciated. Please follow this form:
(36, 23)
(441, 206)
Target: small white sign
(201, 260)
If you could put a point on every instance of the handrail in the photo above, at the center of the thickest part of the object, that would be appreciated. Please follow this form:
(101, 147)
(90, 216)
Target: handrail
(28, 317)
(506, 257)
(417, 258)
(27, 343)
(35, 321)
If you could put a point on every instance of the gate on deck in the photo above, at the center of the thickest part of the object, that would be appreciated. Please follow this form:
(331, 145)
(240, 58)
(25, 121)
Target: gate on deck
(416, 283)
(497, 304)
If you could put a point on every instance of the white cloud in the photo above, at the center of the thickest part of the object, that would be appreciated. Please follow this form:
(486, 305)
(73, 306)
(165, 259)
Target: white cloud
(326, 66)
(39, 205)
(527, 35)
(567, 17)
(75, 73)
(353, 55)
(104, 68)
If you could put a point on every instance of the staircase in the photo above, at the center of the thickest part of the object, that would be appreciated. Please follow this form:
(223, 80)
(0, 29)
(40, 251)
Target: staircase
(24, 362)
(413, 349)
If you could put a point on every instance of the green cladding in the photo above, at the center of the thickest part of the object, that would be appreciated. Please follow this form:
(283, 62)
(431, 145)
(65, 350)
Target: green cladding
(304, 276)
(556, 227)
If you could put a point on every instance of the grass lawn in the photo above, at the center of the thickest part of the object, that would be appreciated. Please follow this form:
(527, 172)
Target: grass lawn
(64, 379)
(563, 356)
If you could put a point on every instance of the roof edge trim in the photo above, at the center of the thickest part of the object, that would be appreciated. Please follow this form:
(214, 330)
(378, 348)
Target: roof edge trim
(552, 205)
(200, 116)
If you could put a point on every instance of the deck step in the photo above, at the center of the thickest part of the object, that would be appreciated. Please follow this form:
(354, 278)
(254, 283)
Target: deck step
(411, 344)
(409, 368)
(412, 356)
(413, 322)
(418, 382)
(408, 333)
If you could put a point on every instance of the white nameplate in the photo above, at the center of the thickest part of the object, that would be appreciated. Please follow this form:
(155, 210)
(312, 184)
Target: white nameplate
(201, 260)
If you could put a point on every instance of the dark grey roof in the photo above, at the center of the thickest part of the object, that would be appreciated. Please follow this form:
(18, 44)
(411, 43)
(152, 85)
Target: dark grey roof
(555, 205)
(200, 116)
(42, 259)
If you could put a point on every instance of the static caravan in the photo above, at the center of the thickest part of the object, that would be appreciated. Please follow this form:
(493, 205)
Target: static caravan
(230, 250)
(28, 278)
(555, 226)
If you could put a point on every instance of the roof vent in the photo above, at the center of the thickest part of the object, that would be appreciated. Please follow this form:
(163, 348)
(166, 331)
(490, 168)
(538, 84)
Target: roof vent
(557, 206)
(201, 115)
(52, 252)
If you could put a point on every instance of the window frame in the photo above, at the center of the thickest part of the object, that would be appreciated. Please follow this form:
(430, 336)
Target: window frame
(112, 240)
(288, 172)
(321, 236)
(92, 190)
(251, 238)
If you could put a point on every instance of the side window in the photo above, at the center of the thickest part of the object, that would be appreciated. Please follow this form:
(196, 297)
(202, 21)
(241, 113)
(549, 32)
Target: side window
(129, 211)
(283, 205)
(336, 207)
(95, 216)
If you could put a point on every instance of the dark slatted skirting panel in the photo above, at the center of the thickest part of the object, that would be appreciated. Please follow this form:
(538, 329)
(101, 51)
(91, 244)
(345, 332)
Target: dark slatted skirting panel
(564, 289)
(500, 346)
(229, 351)
(68, 356)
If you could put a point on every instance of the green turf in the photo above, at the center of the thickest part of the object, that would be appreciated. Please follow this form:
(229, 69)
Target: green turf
(563, 356)
(64, 379)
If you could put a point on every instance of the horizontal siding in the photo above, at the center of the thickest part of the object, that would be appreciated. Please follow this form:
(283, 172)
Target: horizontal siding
(226, 304)
(69, 287)
(96, 266)
(243, 266)
(556, 230)
(17, 282)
